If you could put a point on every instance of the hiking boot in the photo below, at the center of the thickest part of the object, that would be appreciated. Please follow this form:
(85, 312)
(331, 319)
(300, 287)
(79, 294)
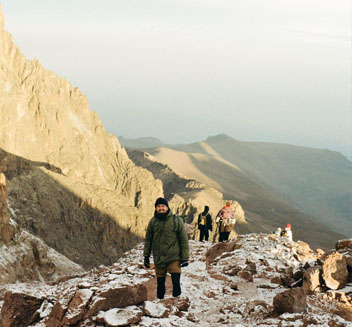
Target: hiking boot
(176, 288)
(160, 291)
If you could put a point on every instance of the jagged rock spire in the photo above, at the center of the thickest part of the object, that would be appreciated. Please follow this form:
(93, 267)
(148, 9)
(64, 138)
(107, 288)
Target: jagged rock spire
(2, 25)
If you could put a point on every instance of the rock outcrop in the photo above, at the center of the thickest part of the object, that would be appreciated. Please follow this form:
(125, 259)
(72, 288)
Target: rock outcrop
(24, 257)
(69, 181)
(292, 300)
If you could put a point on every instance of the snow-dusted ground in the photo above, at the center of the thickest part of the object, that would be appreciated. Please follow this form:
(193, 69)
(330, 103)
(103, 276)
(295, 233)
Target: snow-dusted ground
(27, 258)
(237, 302)
(216, 295)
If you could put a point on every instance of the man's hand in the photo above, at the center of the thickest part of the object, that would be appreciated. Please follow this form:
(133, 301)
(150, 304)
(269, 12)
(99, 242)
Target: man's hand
(183, 263)
(146, 262)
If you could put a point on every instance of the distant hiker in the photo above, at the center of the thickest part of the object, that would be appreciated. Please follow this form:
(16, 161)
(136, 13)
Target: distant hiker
(277, 231)
(287, 232)
(166, 238)
(205, 224)
(225, 219)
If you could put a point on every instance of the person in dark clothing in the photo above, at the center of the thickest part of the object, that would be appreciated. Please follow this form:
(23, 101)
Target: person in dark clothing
(166, 238)
(205, 224)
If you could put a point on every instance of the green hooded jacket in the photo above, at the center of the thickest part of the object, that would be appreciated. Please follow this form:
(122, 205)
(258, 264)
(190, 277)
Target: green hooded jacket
(166, 244)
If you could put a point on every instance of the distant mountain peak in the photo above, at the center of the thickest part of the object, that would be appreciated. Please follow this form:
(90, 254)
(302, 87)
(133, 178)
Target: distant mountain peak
(141, 142)
(144, 138)
(219, 137)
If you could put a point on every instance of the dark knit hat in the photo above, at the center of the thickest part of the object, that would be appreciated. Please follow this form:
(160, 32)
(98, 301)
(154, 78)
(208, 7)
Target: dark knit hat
(161, 201)
(206, 208)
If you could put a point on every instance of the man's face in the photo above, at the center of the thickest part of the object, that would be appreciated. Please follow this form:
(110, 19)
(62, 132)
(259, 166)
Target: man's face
(161, 208)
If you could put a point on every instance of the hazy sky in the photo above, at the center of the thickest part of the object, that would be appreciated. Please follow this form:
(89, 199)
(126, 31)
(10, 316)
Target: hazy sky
(181, 70)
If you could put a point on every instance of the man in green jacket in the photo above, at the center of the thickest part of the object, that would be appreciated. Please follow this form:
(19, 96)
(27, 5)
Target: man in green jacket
(166, 238)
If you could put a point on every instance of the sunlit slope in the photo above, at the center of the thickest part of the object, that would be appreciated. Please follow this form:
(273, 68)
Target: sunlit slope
(264, 210)
(315, 181)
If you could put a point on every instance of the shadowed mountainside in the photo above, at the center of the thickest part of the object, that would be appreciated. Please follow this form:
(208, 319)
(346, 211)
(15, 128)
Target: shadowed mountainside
(43, 202)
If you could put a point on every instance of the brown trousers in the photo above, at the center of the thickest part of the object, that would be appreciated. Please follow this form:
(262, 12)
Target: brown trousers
(173, 267)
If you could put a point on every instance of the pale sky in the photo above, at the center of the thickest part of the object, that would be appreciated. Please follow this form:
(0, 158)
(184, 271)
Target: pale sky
(182, 70)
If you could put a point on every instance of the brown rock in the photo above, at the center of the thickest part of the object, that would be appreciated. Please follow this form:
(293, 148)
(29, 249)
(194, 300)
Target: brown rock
(288, 280)
(304, 252)
(276, 280)
(218, 276)
(344, 244)
(292, 301)
(335, 273)
(311, 280)
(181, 303)
(218, 249)
(119, 297)
(245, 275)
(251, 267)
(120, 317)
(298, 272)
(344, 310)
(348, 258)
(155, 310)
(189, 231)
(191, 317)
(77, 306)
(59, 309)
(19, 309)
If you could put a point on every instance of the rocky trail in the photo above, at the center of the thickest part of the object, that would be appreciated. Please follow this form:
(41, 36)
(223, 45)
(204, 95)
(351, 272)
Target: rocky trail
(255, 280)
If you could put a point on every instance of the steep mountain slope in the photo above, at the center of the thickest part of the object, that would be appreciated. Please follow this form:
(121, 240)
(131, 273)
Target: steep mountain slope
(70, 182)
(24, 257)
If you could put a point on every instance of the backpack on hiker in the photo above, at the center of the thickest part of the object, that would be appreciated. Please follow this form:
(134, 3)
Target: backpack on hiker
(227, 216)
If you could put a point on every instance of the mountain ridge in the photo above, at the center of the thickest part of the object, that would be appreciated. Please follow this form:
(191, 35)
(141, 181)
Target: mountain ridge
(246, 171)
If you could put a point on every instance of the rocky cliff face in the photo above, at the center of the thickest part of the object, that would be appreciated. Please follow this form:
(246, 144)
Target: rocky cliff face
(69, 181)
(24, 257)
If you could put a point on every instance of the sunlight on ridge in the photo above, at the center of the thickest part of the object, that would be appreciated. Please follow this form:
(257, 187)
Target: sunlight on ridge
(216, 156)
(181, 162)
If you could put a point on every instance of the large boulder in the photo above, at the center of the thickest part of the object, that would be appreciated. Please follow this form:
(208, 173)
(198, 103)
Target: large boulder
(335, 273)
(312, 280)
(218, 249)
(77, 306)
(292, 301)
(120, 317)
(117, 297)
(20, 310)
